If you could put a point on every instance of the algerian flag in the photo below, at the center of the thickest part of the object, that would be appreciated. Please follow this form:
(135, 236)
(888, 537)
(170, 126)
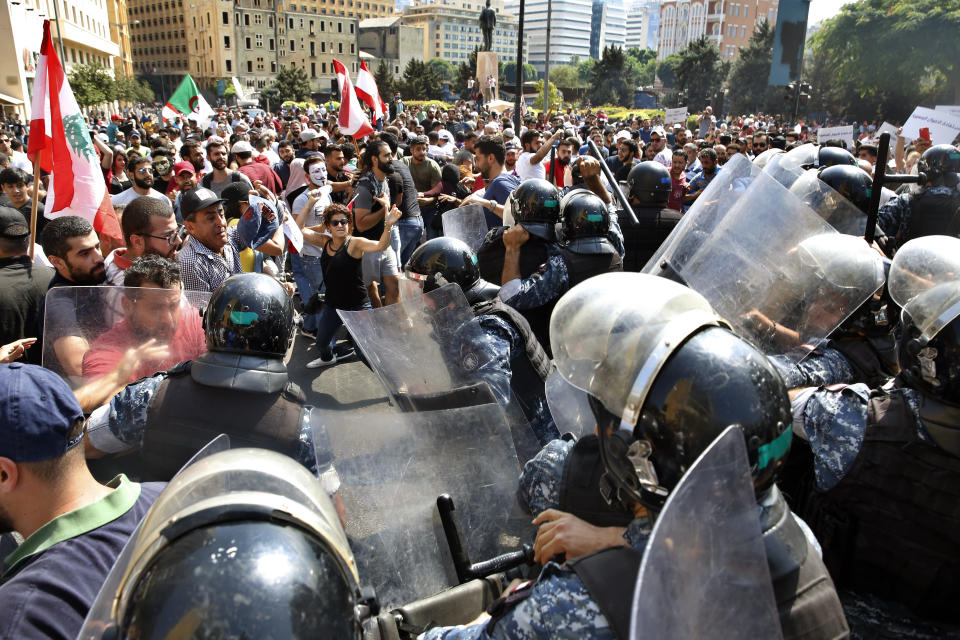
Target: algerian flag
(186, 100)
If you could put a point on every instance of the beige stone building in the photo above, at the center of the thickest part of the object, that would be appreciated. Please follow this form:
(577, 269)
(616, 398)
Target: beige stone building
(729, 25)
(452, 28)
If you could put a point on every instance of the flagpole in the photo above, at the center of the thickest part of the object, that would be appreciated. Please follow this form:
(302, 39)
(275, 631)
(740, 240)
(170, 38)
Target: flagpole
(33, 205)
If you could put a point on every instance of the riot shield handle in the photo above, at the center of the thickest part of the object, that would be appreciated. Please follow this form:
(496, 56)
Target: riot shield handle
(461, 559)
(617, 191)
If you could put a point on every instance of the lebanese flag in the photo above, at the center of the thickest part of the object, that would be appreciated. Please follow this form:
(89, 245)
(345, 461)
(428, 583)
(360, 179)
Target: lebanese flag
(368, 92)
(60, 143)
(352, 120)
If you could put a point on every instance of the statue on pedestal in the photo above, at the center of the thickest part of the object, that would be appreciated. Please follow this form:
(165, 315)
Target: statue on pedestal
(488, 20)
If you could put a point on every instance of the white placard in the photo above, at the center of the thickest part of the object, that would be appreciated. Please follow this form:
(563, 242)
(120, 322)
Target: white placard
(293, 232)
(944, 125)
(954, 109)
(836, 133)
(674, 116)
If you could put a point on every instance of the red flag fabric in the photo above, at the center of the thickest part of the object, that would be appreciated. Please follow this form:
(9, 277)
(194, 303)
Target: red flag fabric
(368, 92)
(352, 120)
(60, 141)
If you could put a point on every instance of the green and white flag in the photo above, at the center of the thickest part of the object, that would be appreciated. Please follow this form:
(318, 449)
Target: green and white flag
(186, 101)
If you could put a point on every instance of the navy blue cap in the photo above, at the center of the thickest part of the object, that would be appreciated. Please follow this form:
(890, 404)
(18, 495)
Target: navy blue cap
(37, 412)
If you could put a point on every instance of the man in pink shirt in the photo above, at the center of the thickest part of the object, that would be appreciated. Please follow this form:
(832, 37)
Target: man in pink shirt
(154, 310)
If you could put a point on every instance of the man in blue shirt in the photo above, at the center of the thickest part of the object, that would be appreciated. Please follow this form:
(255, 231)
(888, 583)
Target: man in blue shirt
(73, 527)
(490, 156)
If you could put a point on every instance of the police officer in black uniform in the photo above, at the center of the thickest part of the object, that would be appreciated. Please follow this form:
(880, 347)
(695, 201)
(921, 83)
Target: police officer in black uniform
(500, 346)
(934, 209)
(649, 190)
(239, 387)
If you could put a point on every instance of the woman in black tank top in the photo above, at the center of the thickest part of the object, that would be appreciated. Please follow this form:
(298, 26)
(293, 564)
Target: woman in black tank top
(340, 261)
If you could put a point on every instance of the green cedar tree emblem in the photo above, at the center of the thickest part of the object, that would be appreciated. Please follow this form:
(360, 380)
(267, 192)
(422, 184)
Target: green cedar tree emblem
(78, 136)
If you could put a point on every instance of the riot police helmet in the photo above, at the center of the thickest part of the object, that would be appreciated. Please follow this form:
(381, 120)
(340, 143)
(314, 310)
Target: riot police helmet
(447, 260)
(853, 183)
(803, 156)
(832, 156)
(244, 543)
(535, 205)
(664, 378)
(585, 223)
(938, 162)
(925, 282)
(762, 159)
(250, 314)
(649, 183)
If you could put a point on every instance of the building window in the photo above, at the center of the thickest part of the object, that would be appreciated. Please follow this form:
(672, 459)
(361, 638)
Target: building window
(351, 48)
(313, 69)
(246, 19)
(339, 47)
(229, 66)
(271, 44)
(351, 27)
(292, 48)
(273, 67)
(339, 27)
(226, 18)
(249, 66)
(258, 19)
(259, 41)
(322, 26)
(323, 47)
(746, 9)
(323, 67)
(247, 42)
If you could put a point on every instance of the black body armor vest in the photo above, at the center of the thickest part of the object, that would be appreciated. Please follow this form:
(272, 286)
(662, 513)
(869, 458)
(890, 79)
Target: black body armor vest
(931, 215)
(641, 241)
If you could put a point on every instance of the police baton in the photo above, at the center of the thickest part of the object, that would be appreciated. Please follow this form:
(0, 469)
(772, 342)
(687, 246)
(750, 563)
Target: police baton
(595, 152)
(880, 179)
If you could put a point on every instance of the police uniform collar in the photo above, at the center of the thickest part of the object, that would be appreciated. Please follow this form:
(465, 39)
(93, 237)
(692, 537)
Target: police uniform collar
(256, 374)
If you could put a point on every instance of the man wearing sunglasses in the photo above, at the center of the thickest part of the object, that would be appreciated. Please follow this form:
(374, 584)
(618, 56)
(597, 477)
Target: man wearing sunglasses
(149, 228)
(141, 170)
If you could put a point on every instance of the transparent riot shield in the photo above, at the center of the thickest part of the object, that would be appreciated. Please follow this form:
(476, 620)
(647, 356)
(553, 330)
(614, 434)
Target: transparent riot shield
(89, 332)
(407, 345)
(706, 213)
(704, 572)
(466, 223)
(784, 168)
(925, 281)
(569, 406)
(392, 467)
(840, 213)
(101, 615)
(775, 270)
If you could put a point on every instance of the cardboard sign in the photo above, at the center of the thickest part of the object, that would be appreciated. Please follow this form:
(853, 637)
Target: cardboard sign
(953, 109)
(674, 116)
(944, 125)
(293, 233)
(836, 133)
(886, 127)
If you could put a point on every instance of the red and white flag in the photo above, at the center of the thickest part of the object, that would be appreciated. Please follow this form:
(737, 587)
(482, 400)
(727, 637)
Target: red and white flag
(368, 92)
(352, 120)
(60, 141)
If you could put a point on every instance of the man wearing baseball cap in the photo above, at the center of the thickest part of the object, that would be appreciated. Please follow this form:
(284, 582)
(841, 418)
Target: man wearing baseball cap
(73, 527)
(186, 176)
(309, 142)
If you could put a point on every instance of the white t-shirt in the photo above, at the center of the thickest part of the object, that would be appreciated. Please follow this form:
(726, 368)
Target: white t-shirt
(128, 196)
(525, 170)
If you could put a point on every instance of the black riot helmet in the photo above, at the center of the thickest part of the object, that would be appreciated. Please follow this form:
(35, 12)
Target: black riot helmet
(649, 183)
(832, 156)
(444, 260)
(254, 579)
(535, 205)
(665, 377)
(938, 162)
(853, 183)
(250, 314)
(585, 223)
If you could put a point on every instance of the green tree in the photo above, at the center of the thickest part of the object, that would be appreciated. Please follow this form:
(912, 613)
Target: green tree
(91, 83)
(700, 73)
(610, 79)
(444, 69)
(750, 73)
(468, 69)
(556, 99)
(383, 76)
(666, 70)
(129, 89)
(567, 76)
(890, 55)
(642, 64)
(508, 73)
(291, 83)
(421, 82)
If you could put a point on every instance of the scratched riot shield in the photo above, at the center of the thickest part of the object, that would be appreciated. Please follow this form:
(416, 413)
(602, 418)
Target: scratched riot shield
(706, 213)
(393, 466)
(704, 572)
(840, 213)
(569, 406)
(89, 332)
(774, 269)
(925, 281)
(466, 223)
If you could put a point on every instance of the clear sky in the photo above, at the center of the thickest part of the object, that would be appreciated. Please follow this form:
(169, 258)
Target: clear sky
(823, 9)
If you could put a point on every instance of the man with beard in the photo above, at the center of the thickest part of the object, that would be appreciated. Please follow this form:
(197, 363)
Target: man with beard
(337, 178)
(153, 310)
(282, 168)
(141, 170)
(220, 177)
(510, 159)
(74, 526)
(369, 208)
(149, 228)
(191, 152)
(558, 168)
(491, 154)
